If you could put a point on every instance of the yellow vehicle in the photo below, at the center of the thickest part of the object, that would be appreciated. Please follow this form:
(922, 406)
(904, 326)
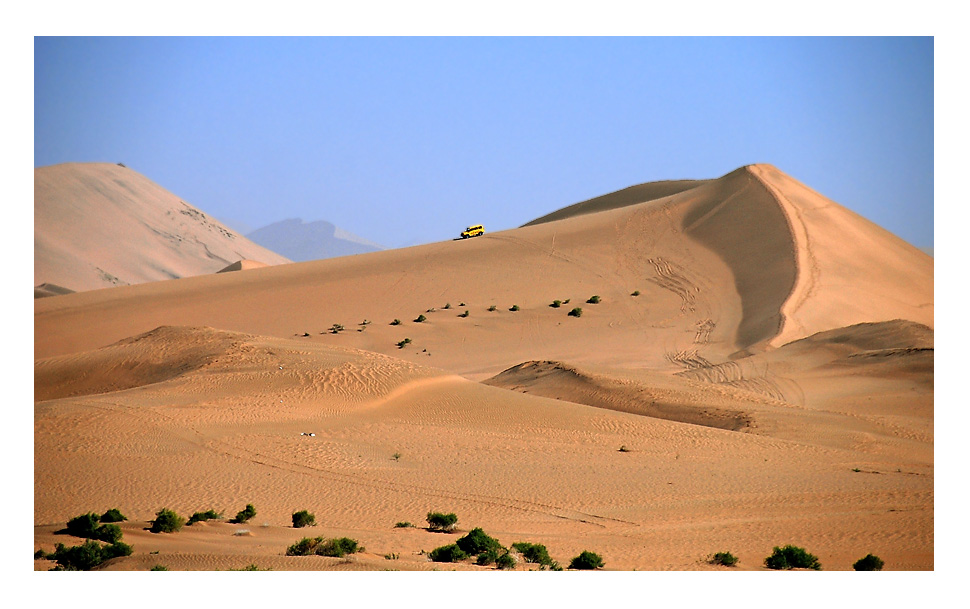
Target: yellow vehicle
(473, 231)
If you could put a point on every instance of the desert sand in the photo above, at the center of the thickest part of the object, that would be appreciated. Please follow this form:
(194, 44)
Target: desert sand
(770, 383)
(99, 225)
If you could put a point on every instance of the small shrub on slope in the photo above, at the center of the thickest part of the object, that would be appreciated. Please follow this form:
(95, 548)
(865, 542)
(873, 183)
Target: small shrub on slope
(723, 558)
(113, 515)
(166, 521)
(586, 560)
(792, 557)
(441, 522)
(302, 519)
(203, 516)
(477, 541)
(245, 514)
(449, 553)
(868, 563)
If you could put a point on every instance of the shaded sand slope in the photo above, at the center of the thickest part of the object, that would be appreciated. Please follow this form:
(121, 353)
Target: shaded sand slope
(717, 267)
(99, 225)
(226, 427)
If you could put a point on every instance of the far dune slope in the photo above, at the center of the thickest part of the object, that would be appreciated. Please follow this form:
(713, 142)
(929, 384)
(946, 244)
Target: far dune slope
(99, 225)
(719, 270)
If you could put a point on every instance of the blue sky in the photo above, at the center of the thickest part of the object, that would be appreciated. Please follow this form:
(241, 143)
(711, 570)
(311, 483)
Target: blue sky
(408, 140)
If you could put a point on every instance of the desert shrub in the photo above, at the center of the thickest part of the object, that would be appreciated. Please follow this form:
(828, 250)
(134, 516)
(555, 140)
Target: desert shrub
(514, 308)
(441, 522)
(203, 516)
(251, 567)
(505, 561)
(42, 555)
(305, 547)
(338, 547)
(493, 308)
(723, 558)
(624, 449)
(586, 560)
(110, 533)
(448, 306)
(868, 563)
(488, 557)
(449, 553)
(88, 555)
(556, 304)
(593, 300)
(465, 314)
(534, 553)
(404, 342)
(245, 514)
(336, 329)
(302, 519)
(166, 521)
(420, 318)
(83, 526)
(396, 322)
(477, 541)
(159, 568)
(403, 525)
(792, 557)
(113, 515)
(576, 312)
(635, 293)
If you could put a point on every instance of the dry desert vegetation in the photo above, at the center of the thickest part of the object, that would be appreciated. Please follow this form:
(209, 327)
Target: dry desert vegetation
(755, 371)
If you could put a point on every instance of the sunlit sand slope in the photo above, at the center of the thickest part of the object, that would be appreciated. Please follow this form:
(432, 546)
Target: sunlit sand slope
(99, 225)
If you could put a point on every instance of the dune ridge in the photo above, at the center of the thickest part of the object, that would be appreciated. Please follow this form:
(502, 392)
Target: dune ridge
(756, 369)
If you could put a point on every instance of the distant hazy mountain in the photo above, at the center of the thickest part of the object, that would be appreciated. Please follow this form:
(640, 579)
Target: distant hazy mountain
(301, 241)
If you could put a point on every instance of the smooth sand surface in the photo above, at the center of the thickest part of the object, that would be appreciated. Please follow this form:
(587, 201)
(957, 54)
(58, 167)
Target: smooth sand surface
(771, 383)
(100, 225)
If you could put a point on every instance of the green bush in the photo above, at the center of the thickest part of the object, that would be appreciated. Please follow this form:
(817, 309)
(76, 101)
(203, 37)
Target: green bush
(505, 561)
(110, 533)
(477, 541)
(305, 547)
(87, 556)
(577, 312)
(244, 515)
(465, 314)
(723, 558)
(447, 306)
(302, 519)
(403, 525)
(493, 308)
(166, 521)
(159, 568)
(792, 557)
(449, 553)
(113, 515)
(514, 308)
(586, 560)
(556, 304)
(488, 557)
(338, 547)
(635, 293)
(534, 553)
(396, 322)
(593, 300)
(406, 341)
(83, 526)
(420, 318)
(868, 563)
(441, 522)
(203, 516)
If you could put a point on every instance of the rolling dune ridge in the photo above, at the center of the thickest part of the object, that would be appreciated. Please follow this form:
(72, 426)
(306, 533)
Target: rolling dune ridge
(757, 371)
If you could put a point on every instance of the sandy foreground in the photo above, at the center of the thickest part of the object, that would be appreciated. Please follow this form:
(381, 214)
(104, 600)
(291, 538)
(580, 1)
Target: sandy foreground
(771, 383)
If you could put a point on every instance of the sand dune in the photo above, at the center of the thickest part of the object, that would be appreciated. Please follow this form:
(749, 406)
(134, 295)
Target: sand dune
(243, 265)
(770, 383)
(99, 225)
